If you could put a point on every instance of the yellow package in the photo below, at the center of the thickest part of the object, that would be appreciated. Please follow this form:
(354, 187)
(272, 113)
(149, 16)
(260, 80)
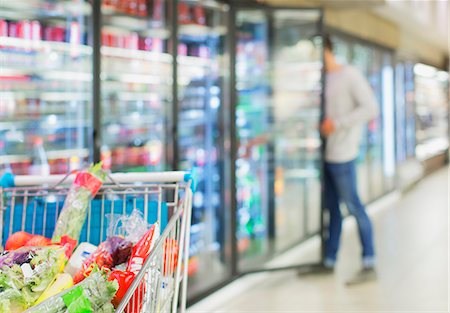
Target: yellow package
(63, 281)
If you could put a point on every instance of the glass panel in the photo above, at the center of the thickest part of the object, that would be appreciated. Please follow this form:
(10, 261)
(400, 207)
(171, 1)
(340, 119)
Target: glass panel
(136, 84)
(342, 50)
(203, 80)
(277, 117)
(295, 117)
(45, 86)
(361, 57)
(431, 97)
(410, 113)
(376, 128)
(388, 123)
(252, 120)
(400, 113)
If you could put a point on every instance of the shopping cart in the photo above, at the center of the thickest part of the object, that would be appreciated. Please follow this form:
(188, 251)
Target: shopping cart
(33, 203)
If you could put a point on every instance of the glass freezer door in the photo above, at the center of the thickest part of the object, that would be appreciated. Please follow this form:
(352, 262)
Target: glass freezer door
(45, 86)
(136, 84)
(278, 68)
(203, 69)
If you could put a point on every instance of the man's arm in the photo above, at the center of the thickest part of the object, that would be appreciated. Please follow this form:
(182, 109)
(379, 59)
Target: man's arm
(366, 104)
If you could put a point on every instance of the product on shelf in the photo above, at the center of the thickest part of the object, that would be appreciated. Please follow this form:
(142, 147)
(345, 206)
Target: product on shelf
(3, 28)
(199, 15)
(39, 161)
(184, 13)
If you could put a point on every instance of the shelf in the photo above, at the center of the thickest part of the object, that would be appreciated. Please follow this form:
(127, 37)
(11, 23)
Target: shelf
(136, 54)
(21, 124)
(44, 46)
(195, 30)
(190, 61)
(41, 9)
(213, 5)
(48, 74)
(47, 96)
(136, 79)
(56, 154)
(134, 120)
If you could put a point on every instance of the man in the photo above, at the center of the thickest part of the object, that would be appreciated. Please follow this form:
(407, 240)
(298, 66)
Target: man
(350, 104)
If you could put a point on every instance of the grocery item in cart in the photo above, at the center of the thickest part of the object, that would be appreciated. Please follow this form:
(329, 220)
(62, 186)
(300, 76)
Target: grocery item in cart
(140, 253)
(114, 251)
(142, 249)
(132, 226)
(62, 282)
(26, 273)
(23, 239)
(73, 214)
(94, 294)
(83, 251)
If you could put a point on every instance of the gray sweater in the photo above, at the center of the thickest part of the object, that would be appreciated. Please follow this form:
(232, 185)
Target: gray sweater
(350, 103)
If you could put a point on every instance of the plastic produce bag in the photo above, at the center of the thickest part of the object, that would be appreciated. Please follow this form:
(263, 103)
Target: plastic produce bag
(26, 273)
(140, 253)
(132, 226)
(114, 251)
(94, 294)
(73, 214)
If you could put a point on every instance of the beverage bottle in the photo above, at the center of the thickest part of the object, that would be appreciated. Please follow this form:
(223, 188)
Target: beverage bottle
(4, 164)
(39, 161)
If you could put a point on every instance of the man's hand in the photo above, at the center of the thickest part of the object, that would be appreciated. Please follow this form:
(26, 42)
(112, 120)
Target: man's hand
(328, 127)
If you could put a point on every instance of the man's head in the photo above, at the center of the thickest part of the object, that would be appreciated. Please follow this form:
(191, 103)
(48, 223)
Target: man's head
(329, 59)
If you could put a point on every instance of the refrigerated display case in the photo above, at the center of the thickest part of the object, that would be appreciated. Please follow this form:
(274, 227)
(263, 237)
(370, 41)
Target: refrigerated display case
(252, 118)
(296, 113)
(375, 127)
(136, 84)
(45, 90)
(376, 160)
(388, 122)
(432, 111)
(278, 156)
(203, 67)
(360, 58)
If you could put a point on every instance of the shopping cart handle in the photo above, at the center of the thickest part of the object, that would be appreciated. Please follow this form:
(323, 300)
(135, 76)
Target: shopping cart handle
(7, 180)
(191, 176)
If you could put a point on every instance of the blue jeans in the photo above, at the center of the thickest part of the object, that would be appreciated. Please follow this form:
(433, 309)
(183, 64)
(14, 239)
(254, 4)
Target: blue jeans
(340, 186)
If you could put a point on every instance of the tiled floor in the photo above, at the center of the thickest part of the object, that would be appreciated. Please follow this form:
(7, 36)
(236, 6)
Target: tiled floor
(412, 239)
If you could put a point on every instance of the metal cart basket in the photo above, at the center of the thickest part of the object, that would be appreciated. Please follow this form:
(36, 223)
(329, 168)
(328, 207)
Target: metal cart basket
(33, 203)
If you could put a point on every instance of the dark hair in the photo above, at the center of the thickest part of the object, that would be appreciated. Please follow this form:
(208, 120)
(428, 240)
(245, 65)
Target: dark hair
(327, 42)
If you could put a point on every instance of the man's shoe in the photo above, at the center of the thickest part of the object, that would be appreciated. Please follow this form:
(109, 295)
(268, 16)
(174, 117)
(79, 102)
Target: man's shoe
(363, 276)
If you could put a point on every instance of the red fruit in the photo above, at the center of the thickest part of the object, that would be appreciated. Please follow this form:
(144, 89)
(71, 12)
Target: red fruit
(17, 240)
(38, 241)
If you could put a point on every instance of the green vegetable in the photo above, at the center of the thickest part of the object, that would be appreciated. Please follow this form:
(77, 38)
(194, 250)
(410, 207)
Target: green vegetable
(93, 294)
(73, 214)
(19, 291)
(12, 301)
(98, 171)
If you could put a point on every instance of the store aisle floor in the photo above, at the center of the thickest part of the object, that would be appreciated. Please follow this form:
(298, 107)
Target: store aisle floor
(412, 238)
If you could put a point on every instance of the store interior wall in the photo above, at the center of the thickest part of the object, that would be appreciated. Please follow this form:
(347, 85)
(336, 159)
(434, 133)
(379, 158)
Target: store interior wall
(417, 30)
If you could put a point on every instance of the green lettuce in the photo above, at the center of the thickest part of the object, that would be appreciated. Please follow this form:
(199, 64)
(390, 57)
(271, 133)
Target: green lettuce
(19, 291)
